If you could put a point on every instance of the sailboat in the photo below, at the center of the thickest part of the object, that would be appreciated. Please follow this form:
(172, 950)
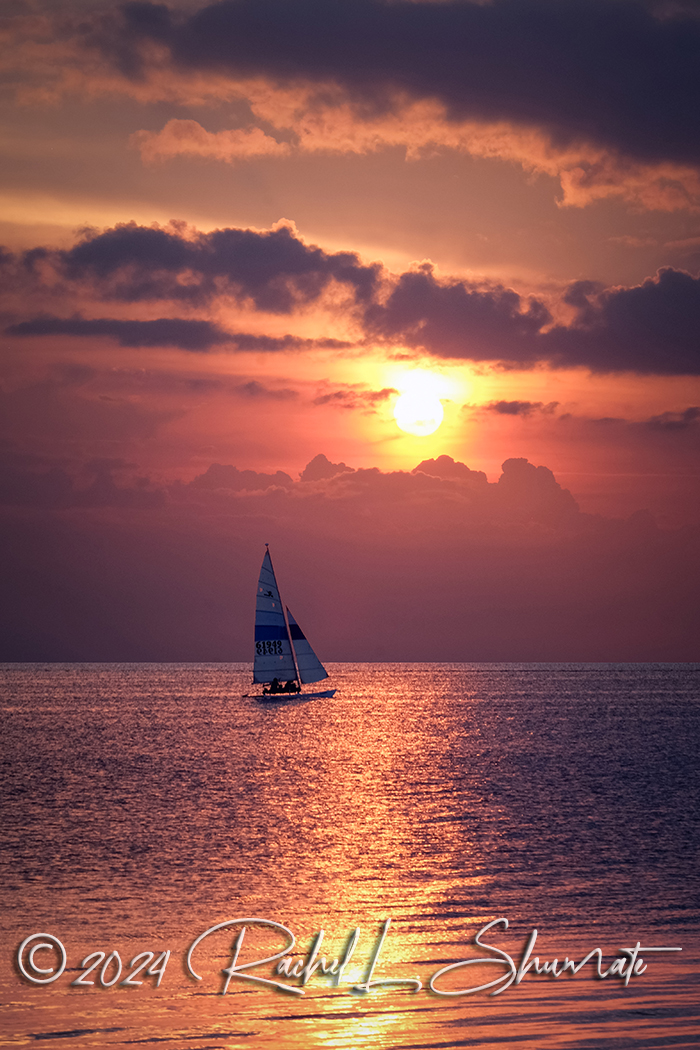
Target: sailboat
(284, 660)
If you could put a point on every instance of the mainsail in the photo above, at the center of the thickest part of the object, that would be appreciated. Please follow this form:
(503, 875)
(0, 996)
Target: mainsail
(310, 667)
(273, 650)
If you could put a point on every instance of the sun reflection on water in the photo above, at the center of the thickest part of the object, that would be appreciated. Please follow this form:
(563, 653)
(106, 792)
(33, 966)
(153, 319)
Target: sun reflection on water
(149, 803)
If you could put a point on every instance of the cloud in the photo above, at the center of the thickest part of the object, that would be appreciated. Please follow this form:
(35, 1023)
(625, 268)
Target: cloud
(599, 93)
(519, 408)
(194, 335)
(581, 70)
(189, 138)
(457, 319)
(353, 397)
(650, 328)
(441, 490)
(268, 343)
(254, 389)
(602, 93)
(219, 476)
(197, 336)
(445, 490)
(321, 468)
(273, 269)
(534, 491)
(676, 420)
(446, 467)
(586, 173)
(618, 464)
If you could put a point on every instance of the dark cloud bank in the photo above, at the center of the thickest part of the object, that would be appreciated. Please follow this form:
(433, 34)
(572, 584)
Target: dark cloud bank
(433, 564)
(622, 74)
(182, 333)
(650, 329)
(273, 269)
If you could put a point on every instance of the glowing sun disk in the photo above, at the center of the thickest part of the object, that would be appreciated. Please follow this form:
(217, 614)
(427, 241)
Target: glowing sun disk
(418, 413)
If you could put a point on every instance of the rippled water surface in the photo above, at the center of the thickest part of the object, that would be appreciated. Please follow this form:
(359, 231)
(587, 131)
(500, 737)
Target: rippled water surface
(146, 803)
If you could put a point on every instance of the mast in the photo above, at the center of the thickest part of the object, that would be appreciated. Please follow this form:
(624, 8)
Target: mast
(286, 621)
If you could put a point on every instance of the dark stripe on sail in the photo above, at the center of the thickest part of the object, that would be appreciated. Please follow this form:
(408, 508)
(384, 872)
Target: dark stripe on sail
(270, 633)
(296, 631)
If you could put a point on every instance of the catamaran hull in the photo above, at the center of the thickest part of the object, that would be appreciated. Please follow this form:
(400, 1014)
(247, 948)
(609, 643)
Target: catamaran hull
(276, 698)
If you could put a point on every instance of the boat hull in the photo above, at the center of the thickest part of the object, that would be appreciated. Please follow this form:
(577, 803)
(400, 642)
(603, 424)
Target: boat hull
(284, 698)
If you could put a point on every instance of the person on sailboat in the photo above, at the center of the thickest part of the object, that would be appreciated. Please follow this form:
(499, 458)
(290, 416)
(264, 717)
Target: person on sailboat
(279, 687)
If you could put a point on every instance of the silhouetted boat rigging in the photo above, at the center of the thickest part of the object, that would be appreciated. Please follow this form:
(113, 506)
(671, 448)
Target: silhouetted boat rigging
(284, 660)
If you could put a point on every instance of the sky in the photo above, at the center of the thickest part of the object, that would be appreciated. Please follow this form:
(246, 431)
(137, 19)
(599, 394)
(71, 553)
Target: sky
(243, 239)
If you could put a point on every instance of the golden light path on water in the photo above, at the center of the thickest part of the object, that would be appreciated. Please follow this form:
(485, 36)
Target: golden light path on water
(150, 803)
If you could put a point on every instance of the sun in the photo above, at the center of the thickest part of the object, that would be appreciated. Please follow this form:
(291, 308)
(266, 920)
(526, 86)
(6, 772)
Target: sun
(418, 409)
(419, 414)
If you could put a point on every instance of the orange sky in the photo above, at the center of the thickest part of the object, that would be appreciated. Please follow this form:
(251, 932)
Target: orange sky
(489, 203)
(228, 241)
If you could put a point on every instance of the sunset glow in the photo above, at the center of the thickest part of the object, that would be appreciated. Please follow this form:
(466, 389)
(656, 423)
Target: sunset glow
(246, 281)
(388, 309)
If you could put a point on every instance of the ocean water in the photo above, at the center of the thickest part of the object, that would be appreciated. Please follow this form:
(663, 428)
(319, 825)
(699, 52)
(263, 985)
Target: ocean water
(147, 804)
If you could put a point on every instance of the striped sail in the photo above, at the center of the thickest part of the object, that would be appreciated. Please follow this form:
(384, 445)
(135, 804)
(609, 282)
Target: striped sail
(273, 650)
(310, 667)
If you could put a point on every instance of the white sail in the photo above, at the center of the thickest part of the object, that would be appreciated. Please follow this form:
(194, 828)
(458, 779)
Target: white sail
(273, 650)
(310, 667)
